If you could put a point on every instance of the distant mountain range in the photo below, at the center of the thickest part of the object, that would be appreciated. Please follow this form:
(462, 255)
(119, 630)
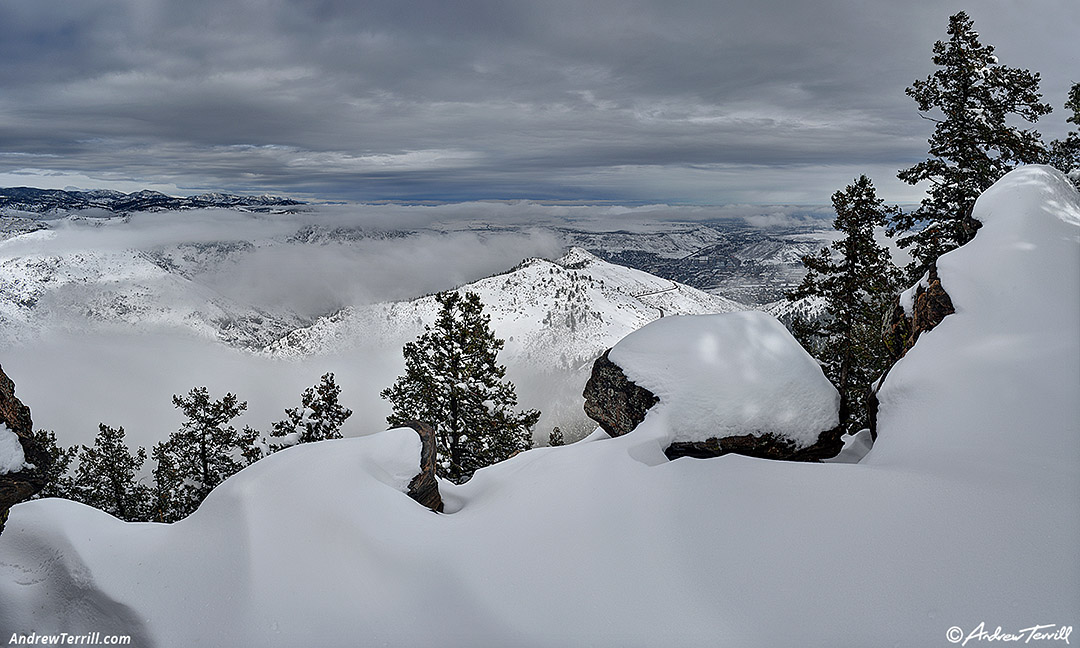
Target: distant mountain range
(51, 201)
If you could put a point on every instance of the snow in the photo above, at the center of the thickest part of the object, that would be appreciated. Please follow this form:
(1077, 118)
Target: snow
(12, 458)
(856, 446)
(964, 512)
(734, 373)
(907, 297)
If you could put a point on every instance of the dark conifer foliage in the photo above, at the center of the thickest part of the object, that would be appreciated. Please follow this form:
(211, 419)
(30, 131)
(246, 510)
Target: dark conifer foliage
(107, 476)
(59, 482)
(201, 454)
(970, 99)
(1065, 153)
(857, 280)
(319, 416)
(453, 382)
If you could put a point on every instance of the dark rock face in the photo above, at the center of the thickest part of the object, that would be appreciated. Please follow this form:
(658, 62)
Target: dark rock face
(19, 486)
(619, 405)
(766, 446)
(613, 401)
(931, 305)
(424, 488)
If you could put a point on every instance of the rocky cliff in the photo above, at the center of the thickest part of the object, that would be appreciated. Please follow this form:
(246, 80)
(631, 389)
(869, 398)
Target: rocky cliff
(19, 486)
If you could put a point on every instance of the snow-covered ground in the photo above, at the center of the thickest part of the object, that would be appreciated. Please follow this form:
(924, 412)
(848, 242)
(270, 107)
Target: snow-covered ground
(964, 516)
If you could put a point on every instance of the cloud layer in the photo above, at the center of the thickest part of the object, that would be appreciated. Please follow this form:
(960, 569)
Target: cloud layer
(695, 101)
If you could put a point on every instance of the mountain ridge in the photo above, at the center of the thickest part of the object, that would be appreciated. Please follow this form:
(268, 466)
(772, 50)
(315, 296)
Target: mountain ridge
(54, 201)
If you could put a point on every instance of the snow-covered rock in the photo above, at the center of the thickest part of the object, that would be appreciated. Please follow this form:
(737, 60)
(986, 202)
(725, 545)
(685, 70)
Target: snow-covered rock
(22, 460)
(732, 375)
(12, 457)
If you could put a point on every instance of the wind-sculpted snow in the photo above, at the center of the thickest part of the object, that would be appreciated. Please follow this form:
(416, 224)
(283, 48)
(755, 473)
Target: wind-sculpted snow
(963, 515)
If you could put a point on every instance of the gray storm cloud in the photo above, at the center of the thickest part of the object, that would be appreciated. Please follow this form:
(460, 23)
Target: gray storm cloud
(709, 102)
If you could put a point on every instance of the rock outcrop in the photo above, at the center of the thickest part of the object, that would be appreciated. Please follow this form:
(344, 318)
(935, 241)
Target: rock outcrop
(735, 383)
(424, 488)
(19, 486)
(765, 446)
(930, 305)
(613, 401)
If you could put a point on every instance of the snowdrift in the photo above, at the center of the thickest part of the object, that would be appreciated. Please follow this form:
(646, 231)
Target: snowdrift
(965, 512)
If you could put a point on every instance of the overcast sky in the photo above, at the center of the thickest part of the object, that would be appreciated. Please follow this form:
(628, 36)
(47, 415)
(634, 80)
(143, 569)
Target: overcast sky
(664, 101)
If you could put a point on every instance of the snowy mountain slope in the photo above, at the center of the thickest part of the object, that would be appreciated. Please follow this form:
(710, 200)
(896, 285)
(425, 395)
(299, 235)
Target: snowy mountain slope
(963, 516)
(748, 264)
(556, 318)
(557, 315)
(72, 289)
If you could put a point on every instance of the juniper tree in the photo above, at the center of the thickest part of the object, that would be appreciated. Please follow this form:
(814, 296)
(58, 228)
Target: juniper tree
(204, 452)
(454, 383)
(106, 477)
(970, 99)
(58, 483)
(1065, 153)
(319, 416)
(857, 279)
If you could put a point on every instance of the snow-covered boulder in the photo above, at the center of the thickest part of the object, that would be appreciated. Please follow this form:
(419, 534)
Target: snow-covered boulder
(731, 383)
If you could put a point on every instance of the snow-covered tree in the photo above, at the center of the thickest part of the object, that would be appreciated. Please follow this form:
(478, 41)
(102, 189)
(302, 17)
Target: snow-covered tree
(454, 383)
(319, 416)
(204, 452)
(1065, 153)
(970, 99)
(857, 284)
(106, 477)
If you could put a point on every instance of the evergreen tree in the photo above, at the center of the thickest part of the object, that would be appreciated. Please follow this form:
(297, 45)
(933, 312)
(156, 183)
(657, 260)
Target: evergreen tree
(318, 417)
(453, 382)
(972, 144)
(58, 482)
(106, 476)
(202, 454)
(556, 438)
(1065, 154)
(857, 285)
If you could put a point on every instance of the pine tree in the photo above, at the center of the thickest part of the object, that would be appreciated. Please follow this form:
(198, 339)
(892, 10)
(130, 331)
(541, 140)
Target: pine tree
(972, 145)
(319, 416)
(556, 438)
(202, 454)
(1065, 154)
(58, 482)
(857, 286)
(106, 478)
(453, 382)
